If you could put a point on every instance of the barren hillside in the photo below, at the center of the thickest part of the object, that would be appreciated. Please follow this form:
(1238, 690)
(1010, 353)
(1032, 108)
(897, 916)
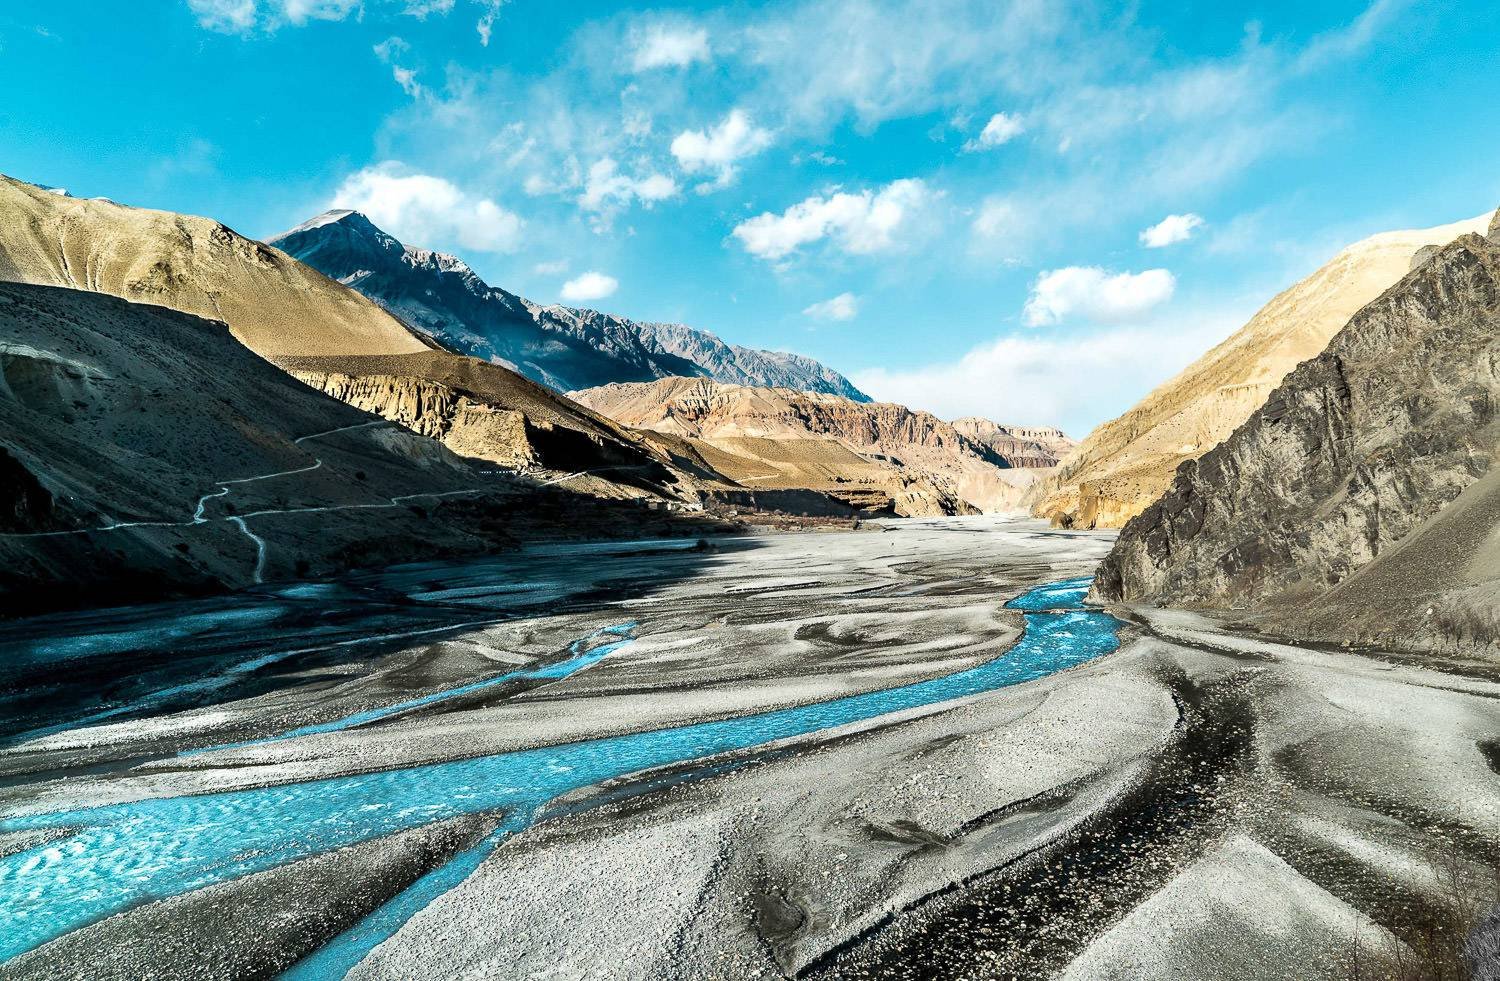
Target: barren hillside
(274, 304)
(1128, 462)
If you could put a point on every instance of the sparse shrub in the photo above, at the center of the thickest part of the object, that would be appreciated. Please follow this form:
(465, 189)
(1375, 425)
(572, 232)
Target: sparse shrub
(1437, 943)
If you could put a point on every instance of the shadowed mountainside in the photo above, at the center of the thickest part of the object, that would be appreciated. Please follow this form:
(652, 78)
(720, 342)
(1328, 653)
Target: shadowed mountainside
(1128, 462)
(284, 311)
(146, 453)
(1360, 501)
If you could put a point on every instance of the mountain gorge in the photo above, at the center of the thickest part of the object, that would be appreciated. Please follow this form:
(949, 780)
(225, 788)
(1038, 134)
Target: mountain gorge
(1361, 500)
(562, 347)
(1128, 462)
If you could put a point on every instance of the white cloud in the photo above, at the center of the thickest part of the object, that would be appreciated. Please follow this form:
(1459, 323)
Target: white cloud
(860, 223)
(554, 268)
(607, 190)
(407, 79)
(243, 16)
(719, 148)
(1001, 129)
(663, 45)
(589, 286)
(388, 51)
(1171, 229)
(845, 306)
(424, 210)
(486, 23)
(229, 16)
(1074, 382)
(422, 9)
(1095, 294)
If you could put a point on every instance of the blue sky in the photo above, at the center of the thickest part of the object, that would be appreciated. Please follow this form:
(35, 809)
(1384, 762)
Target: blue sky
(949, 201)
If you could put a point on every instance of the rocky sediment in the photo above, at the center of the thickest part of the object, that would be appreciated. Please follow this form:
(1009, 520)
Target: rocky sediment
(1359, 502)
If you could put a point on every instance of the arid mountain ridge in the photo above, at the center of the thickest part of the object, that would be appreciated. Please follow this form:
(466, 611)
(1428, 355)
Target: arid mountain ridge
(480, 458)
(1361, 501)
(1128, 462)
(915, 448)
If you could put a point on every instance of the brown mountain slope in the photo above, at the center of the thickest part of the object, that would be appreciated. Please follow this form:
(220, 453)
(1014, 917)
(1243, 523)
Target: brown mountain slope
(146, 453)
(1360, 501)
(789, 439)
(273, 304)
(1128, 462)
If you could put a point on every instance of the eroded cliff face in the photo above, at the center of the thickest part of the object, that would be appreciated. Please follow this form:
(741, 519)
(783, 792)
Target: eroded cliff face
(1021, 446)
(1128, 462)
(810, 439)
(1335, 505)
(434, 410)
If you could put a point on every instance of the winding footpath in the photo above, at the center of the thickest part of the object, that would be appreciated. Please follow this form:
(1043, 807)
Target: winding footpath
(225, 486)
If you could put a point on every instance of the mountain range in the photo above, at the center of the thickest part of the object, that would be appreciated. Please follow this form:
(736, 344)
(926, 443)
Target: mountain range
(561, 347)
(189, 410)
(781, 438)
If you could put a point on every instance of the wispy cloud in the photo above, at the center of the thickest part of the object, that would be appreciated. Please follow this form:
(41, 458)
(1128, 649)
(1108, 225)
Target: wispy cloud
(845, 306)
(1171, 230)
(718, 149)
(1001, 129)
(669, 45)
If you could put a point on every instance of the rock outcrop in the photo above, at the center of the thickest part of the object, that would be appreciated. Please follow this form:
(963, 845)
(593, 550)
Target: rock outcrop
(485, 412)
(1128, 462)
(563, 347)
(776, 437)
(1361, 501)
(1021, 446)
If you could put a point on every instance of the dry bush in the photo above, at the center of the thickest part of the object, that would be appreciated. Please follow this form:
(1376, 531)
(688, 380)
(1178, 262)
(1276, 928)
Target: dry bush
(1441, 942)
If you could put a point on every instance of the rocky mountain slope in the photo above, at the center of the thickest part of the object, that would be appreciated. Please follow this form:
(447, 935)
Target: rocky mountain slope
(1361, 501)
(1127, 463)
(777, 437)
(563, 347)
(272, 303)
(147, 453)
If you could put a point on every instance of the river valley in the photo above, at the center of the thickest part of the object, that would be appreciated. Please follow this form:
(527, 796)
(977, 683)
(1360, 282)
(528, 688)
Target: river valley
(906, 751)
